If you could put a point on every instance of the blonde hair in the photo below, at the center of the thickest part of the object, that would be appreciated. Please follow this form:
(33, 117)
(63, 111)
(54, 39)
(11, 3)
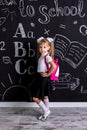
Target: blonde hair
(51, 44)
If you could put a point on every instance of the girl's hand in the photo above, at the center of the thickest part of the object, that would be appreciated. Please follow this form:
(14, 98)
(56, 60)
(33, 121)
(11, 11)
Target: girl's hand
(44, 74)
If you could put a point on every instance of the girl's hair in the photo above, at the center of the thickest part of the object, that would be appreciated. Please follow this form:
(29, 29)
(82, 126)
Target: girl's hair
(51, 44)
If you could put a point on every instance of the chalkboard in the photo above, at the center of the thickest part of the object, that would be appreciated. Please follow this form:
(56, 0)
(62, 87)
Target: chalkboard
(21, 23)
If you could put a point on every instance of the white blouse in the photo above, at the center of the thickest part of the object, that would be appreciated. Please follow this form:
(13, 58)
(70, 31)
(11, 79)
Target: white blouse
(41, 63)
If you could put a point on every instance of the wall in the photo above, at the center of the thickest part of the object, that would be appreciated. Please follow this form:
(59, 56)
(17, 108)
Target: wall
(21, 23)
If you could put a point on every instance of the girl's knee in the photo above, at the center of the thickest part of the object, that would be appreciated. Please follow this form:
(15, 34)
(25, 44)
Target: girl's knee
(37, 100)
(45, 97)
(34, 98)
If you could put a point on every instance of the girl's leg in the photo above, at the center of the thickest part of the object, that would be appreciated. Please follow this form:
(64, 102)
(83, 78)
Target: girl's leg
(40, 103)
(46, 111)
(46, 101)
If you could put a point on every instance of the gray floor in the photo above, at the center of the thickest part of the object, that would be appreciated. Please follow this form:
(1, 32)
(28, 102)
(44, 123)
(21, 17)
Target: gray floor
(26, 119)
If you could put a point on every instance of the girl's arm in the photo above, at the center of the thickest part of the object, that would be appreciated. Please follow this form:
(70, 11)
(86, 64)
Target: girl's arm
(53, 67)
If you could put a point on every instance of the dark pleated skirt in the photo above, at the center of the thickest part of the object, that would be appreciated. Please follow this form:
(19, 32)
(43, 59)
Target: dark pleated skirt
(40, 87)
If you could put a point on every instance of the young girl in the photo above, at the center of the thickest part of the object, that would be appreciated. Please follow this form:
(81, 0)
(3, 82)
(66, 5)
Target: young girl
(45, 48)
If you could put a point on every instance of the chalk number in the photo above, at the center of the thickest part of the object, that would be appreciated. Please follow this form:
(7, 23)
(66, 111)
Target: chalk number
(2, 46)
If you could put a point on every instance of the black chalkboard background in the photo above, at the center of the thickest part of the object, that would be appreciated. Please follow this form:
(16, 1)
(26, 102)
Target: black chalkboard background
(21, 23)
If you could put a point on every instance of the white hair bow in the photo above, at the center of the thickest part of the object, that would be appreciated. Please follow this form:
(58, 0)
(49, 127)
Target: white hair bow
(50, 39)
(39, 39)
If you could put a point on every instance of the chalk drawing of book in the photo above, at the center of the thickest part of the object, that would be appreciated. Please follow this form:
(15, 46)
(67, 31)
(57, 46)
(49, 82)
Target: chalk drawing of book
(72, 52)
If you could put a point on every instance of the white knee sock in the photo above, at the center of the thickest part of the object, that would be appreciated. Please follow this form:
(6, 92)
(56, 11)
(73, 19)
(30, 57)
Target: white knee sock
(46, 102)
(43, 107)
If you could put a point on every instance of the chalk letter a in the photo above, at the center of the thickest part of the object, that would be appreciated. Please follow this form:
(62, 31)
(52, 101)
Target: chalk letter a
(20, 31)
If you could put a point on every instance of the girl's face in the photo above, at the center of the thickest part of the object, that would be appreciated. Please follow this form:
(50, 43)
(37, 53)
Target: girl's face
(44, 47)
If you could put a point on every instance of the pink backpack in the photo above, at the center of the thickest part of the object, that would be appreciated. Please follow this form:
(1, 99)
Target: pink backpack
(55, 73)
